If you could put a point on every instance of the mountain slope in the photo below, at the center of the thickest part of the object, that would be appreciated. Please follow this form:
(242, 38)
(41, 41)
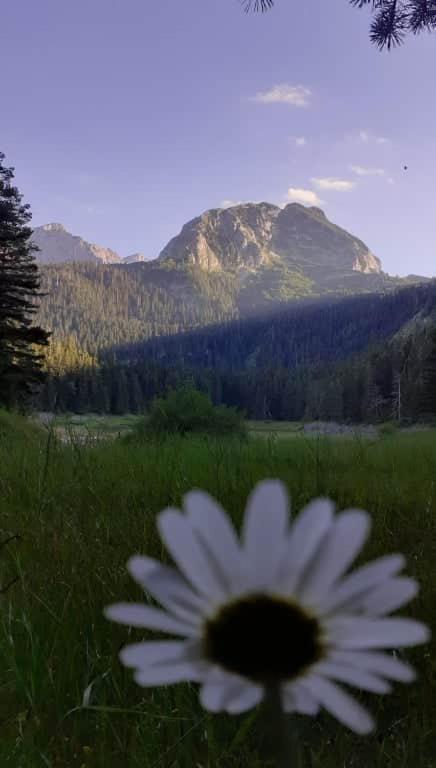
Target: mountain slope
(226, 263)
(253, 235)
(58, 246)
(300, 334)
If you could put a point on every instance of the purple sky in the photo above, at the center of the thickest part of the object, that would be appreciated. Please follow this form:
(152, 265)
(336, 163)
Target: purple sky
(126, 118)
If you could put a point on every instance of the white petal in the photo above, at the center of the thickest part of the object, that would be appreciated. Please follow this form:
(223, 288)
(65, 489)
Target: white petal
(146, 654)
(264, 532)
(247, 697)
(168, 587)
(360, 678)
(296, 698)
(356, 632)
(217, 689)
(168, 674)
(139, 615)
(342, 543)
(217, 535)
(342, 706)
(361, 580)
(306, 534)
(380, 663)
(389, 596)
(189, 554)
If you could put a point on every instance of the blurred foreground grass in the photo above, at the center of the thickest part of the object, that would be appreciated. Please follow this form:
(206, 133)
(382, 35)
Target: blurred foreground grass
(80, 512)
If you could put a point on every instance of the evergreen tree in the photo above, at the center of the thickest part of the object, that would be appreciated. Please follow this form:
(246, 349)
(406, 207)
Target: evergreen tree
(393, 19)
(20, 363)
(428, 397)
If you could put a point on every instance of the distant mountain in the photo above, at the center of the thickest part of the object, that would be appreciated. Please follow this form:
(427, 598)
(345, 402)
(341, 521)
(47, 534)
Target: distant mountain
(135, 257)
(225, 264)
(247, 237)
(57, 246)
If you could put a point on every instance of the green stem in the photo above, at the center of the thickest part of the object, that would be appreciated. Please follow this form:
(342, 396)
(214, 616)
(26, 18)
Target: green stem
(286, 744)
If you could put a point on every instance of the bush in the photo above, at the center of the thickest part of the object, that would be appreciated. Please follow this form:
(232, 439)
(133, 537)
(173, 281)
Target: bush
(187, 411)
(388, 428)
(15, 426)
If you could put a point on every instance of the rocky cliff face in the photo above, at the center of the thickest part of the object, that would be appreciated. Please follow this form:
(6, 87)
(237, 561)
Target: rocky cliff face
(135, 257)
(259, 243)
(249, 236)
(225, 239)
(57, 245)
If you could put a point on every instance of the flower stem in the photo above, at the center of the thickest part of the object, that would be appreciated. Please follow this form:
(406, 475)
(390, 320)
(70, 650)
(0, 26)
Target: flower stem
(285, 738)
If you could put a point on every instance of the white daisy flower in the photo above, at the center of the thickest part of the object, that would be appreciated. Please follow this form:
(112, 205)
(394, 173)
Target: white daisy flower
(276, 610)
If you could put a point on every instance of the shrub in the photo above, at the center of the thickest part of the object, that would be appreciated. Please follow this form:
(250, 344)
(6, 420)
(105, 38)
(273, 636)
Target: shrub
(187, 411)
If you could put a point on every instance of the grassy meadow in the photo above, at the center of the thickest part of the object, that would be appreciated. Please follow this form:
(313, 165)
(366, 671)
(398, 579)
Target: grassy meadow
(74, 513)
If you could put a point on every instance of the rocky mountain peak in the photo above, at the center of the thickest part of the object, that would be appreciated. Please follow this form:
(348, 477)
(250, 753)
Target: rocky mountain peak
(135, 257)
(55, 227)
(252, 235)
(57, 245)
(225, 238)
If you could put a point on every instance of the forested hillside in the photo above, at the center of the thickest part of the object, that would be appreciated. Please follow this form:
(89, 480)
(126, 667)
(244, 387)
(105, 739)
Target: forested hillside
(362, 358)
(104, 305)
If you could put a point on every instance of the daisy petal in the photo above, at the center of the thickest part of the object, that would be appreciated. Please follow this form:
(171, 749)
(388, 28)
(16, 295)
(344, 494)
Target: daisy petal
(168, 587)
(363, 579)
(295, 698)
(217, 535)
(218, 689)
(247, 697)
(379, 663)
(264, 531)
(185, 547)
(146, 654)
(389, 596)
(360, 678)
(340, 704)
(167, 674)
(362, 633)
(147, 617)
(342, 543)
(306, 534)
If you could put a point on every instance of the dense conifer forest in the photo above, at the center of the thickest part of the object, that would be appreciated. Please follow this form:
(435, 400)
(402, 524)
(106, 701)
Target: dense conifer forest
(358, 358)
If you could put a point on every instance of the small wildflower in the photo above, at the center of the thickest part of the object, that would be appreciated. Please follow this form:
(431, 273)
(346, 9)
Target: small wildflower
(276, 609)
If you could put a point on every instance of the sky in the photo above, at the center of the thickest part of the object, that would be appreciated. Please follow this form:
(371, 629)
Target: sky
(126, 118)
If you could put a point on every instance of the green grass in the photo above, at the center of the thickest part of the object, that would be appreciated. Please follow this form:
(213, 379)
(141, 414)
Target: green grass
(81, 511)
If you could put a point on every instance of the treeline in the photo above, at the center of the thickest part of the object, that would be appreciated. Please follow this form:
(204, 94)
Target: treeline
(104, 306)
(396, 380)
(298, 335)
(364, 358)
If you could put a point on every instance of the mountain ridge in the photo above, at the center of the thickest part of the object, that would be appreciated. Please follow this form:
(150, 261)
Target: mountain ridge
(253, 235)
(58, 246)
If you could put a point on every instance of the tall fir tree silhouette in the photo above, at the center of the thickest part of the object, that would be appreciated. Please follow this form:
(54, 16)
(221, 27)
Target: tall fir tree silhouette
(20, 360)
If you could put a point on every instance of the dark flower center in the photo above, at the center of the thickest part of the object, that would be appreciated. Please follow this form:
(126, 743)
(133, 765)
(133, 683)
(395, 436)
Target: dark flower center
(266, 639)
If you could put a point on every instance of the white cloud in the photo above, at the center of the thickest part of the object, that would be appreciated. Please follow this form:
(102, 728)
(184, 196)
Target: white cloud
(300, 141)
(334, 185)
(390, 180)
(296, 95)
(306, 196)
(230, 203)
(363, 170)
(364, 137)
